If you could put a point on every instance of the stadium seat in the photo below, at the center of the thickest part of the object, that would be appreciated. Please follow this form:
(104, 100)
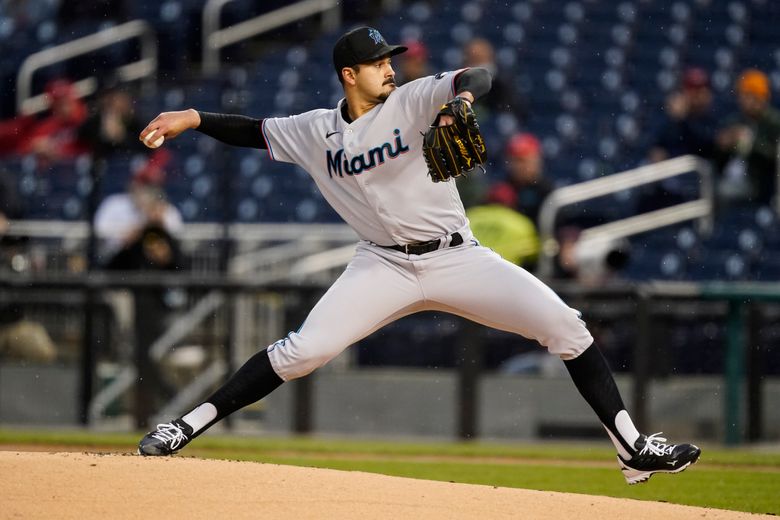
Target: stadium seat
(595, 75)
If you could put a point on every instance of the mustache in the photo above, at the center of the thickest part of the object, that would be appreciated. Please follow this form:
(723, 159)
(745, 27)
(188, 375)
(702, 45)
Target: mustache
(390, 81)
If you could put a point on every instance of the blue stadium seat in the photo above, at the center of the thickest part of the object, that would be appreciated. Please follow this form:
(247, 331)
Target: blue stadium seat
(565, 56)
(648, 263)
(721, 265)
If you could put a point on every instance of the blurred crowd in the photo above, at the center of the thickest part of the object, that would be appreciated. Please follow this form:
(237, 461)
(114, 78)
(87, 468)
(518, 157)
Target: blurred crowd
(138, 228)
(742, 148)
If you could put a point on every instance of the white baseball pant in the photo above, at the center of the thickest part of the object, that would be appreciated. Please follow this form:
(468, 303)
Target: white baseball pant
(381, 285)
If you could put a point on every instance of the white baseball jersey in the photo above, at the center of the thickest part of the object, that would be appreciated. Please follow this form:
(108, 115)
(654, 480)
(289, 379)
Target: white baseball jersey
(372, 170)
(373, 173)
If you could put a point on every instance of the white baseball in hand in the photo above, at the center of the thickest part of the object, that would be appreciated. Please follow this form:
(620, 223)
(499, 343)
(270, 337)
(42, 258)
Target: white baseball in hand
(156, 143)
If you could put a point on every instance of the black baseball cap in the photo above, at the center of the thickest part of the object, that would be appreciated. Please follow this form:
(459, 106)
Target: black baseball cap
(362, 45)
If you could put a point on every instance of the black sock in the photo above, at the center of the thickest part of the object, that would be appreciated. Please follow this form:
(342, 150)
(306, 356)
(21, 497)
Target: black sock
(253, 381)
(593, 378)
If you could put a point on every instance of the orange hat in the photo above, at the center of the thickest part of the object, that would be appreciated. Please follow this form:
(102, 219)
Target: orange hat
(755, 83)
(523, 145)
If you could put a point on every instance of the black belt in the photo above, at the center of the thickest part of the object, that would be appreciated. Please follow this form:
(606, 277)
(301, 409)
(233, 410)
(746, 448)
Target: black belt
(420, 248)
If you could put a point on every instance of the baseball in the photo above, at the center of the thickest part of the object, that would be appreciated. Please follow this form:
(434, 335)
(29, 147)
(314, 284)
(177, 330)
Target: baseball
(156, 143)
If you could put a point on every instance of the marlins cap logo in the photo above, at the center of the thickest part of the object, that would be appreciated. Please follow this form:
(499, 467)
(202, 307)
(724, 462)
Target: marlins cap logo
(374, 35)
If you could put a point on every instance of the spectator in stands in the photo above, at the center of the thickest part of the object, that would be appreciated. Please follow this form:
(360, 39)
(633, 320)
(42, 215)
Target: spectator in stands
(503, 98)
(138, 228)
(413, 64)
(524, 177)
(13, 132)
(566, 264)
(748, 143)
(139, 231)
(53, 137)
(113, 126)
(689, 125)
(20, 338)
(688, 128)
(590, 264)
(498, 226)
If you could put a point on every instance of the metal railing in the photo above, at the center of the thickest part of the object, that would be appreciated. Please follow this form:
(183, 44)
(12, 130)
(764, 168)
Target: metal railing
(145, 67)
(274, 251)
(305, 252)
(194, 231)
(215, 38)
(645, 303)
(701, 208)
(126, 378)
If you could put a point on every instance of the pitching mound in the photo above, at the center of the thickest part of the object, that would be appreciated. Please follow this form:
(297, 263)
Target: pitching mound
(83, 486)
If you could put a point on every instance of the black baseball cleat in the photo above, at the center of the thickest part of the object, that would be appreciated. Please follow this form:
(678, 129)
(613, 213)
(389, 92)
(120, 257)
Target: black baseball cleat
(653, 455)
(167, 439)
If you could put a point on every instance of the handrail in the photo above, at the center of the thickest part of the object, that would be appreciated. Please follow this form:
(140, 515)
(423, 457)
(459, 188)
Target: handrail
(646, 221)
(700, 208)
(79, 230)
(145, 67)
(738, 295)
(177, 331)
(215, 38)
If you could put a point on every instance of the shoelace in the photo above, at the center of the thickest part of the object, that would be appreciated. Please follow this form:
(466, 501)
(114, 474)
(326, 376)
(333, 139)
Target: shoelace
(170, 433)
(655, 444)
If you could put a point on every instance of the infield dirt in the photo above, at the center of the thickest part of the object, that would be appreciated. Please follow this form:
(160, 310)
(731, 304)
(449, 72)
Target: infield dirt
(88, 485)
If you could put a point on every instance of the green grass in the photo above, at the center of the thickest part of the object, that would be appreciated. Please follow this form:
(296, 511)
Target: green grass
(738, 479)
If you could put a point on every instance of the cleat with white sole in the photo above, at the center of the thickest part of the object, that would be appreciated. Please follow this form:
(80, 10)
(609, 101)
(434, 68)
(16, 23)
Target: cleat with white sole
(655, 455)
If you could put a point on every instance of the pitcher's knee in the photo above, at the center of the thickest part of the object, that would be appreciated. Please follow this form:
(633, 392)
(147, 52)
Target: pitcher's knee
(569, 337)
(570, 348)
(294, 358)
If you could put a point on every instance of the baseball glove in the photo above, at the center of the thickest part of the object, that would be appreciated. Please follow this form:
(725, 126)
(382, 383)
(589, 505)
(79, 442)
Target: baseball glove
(456, 149)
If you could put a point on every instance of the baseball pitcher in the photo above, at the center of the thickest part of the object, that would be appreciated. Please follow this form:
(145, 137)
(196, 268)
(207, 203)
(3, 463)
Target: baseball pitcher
(416, 252)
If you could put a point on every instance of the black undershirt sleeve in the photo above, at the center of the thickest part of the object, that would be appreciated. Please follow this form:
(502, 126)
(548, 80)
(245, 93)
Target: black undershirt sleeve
(233, 129)
(476, 80)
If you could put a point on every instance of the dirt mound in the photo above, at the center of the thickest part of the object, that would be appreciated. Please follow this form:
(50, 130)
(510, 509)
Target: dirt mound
(81, 485)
